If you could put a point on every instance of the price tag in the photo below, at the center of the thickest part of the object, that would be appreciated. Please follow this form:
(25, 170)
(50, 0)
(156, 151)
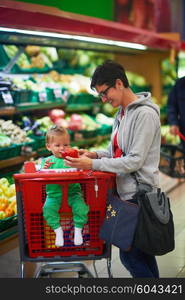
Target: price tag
(7, 97)
(58, 93)
(42, 96)
(65, 95)
(26, 150)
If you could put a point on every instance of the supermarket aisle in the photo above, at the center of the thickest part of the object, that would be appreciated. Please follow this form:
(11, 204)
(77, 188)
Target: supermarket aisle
(171, 265)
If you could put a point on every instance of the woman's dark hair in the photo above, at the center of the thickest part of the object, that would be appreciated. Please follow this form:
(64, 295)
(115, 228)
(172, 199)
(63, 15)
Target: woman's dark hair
(107, 73)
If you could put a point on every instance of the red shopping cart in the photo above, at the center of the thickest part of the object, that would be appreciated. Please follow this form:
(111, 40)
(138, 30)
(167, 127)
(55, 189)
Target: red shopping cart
(36, 238)
(172, 159)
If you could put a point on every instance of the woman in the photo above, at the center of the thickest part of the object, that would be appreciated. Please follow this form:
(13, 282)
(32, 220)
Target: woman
(134, 148)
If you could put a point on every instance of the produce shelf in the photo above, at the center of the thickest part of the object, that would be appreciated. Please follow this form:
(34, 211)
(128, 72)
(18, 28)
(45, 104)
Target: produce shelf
(90, 141)
(38, 17)
(78, 107)
(37, 106)
(16, 160)
(12, 231)
(8, 111)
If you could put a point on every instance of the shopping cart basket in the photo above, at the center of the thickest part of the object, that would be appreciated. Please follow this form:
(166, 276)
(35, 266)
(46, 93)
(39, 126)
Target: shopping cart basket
(172, 161)
(37, 239)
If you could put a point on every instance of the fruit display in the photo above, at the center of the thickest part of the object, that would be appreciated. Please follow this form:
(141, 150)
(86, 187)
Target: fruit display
(100, 146)
(46, 58)
(136, 79)
(8, 205)
(181, 64)
(74, 83)
(5, 141)
(169, 74)
(167, 137)
(14, 132)
(34, 56)
(82, 60)
(11, 51)
(103, 119)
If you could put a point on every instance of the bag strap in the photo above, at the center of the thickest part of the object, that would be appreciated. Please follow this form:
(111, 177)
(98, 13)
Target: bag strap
(144, 187)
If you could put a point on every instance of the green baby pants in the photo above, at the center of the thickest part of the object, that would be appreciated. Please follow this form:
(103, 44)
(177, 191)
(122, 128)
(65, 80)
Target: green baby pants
(52, 216)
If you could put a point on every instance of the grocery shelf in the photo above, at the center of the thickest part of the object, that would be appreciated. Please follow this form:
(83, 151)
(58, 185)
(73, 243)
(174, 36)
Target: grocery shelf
(8, 239)
(16, 160)
(90, 141)
(28, 16)
(79, 107)
(7, 111)
(37, 106)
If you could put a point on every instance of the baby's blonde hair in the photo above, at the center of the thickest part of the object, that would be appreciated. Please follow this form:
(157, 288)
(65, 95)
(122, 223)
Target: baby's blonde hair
(55, 131)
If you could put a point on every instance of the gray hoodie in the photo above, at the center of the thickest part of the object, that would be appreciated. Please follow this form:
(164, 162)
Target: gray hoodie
(139, 137)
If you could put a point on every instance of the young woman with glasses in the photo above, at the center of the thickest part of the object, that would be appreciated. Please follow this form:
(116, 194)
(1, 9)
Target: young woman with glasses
(134, 148)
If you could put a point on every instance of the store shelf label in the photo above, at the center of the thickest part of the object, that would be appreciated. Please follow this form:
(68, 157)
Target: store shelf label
(42, 96)
(7, 97)
(26, 150)
(58, 93)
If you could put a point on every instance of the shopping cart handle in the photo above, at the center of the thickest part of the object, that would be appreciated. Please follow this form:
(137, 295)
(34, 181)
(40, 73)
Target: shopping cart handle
(181, 135)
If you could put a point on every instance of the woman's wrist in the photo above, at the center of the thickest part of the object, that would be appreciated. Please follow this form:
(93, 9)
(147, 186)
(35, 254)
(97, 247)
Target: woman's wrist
(95, 155)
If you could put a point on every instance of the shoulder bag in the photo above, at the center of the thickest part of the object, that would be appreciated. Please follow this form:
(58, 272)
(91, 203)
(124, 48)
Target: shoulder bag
(155, 228)
(120, 222)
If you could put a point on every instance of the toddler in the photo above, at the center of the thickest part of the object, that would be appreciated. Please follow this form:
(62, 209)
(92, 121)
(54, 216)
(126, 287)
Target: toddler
(58, 140)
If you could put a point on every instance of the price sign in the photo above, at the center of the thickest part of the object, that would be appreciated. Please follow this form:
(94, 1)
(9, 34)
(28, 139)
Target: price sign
(26, 150)
(65, 95)
(42, 96)
(58, 93)
(7, 97)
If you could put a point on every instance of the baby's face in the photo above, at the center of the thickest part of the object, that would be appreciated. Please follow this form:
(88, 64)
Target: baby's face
(58, 144)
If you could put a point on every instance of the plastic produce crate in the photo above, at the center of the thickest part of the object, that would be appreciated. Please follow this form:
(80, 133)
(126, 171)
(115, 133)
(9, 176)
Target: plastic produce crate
(15, 150)
(24, 148)
(8, 152)
(21, 96)
(37, 238)
(6, 223)
(39, 141)
(172, 161)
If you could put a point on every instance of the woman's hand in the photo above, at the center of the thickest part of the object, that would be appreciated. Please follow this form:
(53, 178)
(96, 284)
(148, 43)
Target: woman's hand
(86, 153)
(83, 162)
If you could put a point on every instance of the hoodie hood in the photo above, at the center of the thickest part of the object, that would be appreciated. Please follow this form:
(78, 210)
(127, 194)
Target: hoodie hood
(144, 98)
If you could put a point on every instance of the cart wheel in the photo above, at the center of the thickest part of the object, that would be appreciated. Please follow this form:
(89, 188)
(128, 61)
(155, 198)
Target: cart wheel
(83, 274)
(44, 275)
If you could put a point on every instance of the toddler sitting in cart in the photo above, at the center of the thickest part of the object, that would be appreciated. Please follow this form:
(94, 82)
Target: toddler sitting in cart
(58, 141)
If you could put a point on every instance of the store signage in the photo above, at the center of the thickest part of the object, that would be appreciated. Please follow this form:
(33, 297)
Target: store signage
(42, 96)
(7, 97)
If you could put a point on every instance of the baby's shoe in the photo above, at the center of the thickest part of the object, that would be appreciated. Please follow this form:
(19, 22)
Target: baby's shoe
(78, 239)
(59, 240)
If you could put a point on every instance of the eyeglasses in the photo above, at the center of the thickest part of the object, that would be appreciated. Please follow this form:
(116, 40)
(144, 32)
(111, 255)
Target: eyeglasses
(103, 94)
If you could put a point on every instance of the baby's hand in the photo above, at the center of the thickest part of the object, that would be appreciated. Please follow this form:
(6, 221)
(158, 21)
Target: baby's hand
(47, 164)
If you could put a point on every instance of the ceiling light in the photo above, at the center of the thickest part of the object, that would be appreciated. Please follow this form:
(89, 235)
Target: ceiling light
(76, 37)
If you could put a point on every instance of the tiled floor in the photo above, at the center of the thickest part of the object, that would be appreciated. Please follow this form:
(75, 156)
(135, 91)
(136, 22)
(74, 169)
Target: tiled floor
(171, 265)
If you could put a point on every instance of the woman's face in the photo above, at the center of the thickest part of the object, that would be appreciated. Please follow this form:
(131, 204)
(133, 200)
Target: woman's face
(111, 94)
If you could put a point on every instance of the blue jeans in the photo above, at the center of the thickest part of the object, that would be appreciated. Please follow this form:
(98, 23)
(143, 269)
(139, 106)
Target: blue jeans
(139, 264)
